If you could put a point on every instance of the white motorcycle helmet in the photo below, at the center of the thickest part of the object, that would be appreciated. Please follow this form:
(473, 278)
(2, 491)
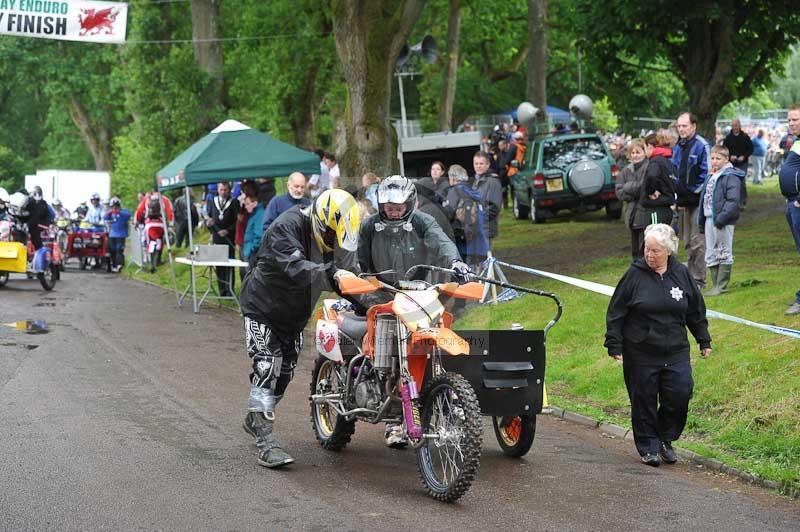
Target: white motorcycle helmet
(17, 202)
(4, 196)
(396, 190)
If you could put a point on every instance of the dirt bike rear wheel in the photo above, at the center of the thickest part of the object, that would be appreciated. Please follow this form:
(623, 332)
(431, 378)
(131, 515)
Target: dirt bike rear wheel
(448, 464)
(332, 431)
(515, 434)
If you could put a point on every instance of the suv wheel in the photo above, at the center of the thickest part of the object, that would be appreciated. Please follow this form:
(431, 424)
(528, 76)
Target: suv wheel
(520, 210)
(536, 214)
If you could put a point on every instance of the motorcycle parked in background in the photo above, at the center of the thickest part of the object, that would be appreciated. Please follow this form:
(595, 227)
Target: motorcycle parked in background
(63, 229)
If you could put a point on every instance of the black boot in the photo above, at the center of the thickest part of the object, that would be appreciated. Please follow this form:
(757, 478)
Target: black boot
(270, 452)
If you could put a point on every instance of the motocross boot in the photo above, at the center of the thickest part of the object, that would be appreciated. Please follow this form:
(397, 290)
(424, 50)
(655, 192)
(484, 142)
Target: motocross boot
(250, 421)
(270, 452)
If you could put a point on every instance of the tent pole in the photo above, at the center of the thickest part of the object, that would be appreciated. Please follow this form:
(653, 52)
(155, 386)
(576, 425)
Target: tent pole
(169, 247)
(191, 246)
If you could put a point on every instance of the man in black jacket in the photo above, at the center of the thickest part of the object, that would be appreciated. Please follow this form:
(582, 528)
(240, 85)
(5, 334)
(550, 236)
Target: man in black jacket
(294, 263)
(491, 193)
(39, 215)
(222, 212)
(182, 225)
(741, 148)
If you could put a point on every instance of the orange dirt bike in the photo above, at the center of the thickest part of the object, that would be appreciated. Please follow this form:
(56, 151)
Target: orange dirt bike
(371, 369)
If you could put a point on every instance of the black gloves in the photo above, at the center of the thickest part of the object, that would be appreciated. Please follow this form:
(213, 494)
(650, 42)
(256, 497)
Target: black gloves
(462, 272)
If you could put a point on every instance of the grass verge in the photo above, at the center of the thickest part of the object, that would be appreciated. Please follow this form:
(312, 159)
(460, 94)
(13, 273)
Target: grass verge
(746, 406)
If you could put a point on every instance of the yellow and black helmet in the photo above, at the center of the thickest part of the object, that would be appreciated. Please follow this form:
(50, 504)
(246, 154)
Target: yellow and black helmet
(335, 218)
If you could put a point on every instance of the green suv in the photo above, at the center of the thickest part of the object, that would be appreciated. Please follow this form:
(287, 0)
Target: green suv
(574, 172)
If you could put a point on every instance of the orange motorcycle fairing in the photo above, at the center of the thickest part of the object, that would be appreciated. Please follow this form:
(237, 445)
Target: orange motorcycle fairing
(471, 291)
(421, 344)
(445, 339)
(352, 285)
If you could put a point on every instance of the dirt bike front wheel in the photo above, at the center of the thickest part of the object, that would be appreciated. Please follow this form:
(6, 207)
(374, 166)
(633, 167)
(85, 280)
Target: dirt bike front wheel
(332, 431)
(515, 434)
(449, 458)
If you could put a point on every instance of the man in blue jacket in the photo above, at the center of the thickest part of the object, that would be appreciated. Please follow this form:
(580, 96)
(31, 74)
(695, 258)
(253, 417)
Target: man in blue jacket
(690, 159)
(118, 219)
(790, 187)
(295, 195)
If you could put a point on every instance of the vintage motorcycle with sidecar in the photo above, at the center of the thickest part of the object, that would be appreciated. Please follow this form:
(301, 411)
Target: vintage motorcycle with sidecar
(17, 255)
(372, 369)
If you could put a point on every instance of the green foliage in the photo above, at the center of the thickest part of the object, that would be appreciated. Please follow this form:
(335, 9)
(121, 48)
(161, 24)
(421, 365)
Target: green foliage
(282, 75)
(786, 90)
(494, 27)
(12, 169)
(62, 146)
(134, 168)
(625, 39)
(603, 116)
(280, 82)
(758, 103)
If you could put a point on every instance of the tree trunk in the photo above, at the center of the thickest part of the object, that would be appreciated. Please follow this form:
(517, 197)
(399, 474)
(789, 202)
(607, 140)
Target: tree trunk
(537, 54)
(95, 136)
(450, 67)
(305, 124)
(707, 74)
(208, 50)
(369, 34)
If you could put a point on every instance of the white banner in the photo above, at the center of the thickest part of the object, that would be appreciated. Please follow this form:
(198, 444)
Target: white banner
(71, 20)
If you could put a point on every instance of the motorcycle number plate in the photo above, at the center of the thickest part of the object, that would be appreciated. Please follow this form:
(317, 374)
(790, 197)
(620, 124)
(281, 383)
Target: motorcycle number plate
(327, 340)
(555, 185)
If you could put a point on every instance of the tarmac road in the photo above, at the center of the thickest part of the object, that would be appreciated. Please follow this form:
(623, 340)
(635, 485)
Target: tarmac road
(127, 416)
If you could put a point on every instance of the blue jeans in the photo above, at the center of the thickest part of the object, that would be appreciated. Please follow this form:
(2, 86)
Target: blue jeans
(793, 217)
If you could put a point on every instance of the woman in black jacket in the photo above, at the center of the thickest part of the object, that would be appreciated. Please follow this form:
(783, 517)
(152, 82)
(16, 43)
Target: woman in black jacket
(658, 187)
(653, 304)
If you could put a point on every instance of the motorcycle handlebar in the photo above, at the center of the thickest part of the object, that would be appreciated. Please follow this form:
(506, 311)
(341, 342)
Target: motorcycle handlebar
(541, 293)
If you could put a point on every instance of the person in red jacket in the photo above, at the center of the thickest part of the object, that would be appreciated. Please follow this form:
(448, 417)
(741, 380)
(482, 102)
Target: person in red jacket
(142, 211)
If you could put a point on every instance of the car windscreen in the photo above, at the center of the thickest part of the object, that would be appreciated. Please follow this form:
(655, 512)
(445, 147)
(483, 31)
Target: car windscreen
(558, 153)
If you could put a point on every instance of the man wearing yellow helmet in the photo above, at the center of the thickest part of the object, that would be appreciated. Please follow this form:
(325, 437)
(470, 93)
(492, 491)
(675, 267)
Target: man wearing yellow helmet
(294, 263)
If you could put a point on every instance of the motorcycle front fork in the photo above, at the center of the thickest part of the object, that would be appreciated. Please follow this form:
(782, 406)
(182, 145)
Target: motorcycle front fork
(408, 388)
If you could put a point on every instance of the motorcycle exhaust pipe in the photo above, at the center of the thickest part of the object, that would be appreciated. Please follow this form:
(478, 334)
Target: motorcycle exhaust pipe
(320, 398)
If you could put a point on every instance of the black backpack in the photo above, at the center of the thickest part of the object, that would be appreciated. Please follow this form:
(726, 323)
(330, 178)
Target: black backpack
(153, 208)
(467, 217)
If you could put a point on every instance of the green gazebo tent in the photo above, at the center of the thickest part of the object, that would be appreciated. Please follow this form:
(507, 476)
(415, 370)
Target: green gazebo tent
(235, 151)
(230, 152)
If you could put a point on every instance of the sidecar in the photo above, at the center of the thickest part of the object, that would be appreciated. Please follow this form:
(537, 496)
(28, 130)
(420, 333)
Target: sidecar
(90, 247)
(506, 369)
(16, 257)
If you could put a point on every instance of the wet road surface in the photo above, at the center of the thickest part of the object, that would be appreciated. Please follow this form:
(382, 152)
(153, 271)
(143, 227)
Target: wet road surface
(127, 416)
